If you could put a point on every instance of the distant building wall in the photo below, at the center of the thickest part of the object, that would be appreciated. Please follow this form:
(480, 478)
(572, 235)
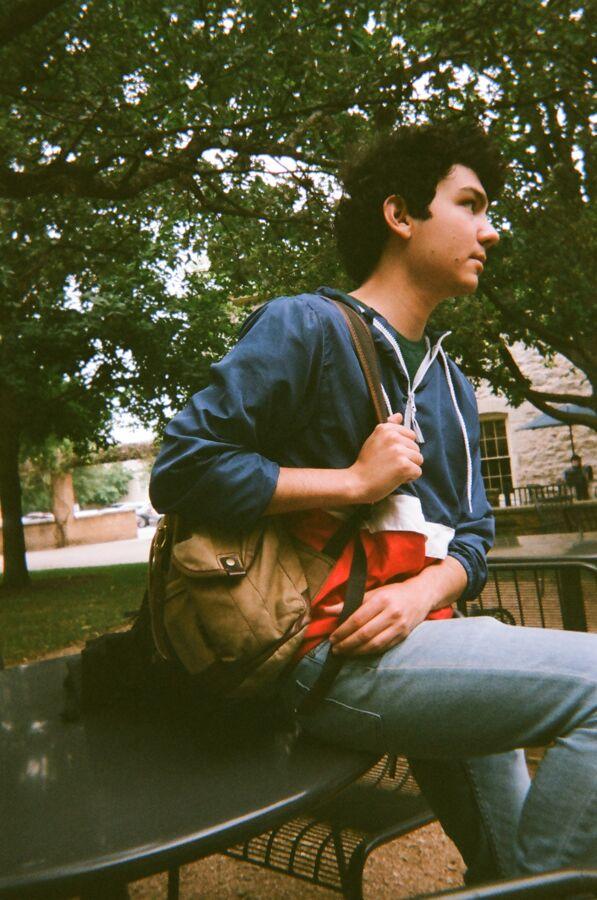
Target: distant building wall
(85, 528)
(539, 456)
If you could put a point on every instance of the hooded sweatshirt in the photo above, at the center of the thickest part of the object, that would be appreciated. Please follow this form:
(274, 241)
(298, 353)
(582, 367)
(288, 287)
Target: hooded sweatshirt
(291, 393)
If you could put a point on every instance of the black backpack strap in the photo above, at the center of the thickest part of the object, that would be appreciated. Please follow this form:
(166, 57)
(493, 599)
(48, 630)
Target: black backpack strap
(355, 591)
(357, 579)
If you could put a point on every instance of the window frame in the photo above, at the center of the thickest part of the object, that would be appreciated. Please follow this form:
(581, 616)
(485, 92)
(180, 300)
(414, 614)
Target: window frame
(495, 481)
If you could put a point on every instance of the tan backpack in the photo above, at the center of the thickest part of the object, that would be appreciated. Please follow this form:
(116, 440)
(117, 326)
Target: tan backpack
(231, 608)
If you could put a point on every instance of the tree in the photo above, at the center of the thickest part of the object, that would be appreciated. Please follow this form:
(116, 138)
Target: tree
(50, 473)
(88, 325)
(148, 133)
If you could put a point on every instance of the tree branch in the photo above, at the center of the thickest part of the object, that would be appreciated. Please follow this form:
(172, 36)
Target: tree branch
(539, 399)
(229, 207)
(566, 345)
(587, 400)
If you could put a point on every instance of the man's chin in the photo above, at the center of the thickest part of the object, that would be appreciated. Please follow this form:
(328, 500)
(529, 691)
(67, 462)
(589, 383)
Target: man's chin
(469, 285)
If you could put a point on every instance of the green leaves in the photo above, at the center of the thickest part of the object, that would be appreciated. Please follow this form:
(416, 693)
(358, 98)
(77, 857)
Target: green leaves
(155, 138)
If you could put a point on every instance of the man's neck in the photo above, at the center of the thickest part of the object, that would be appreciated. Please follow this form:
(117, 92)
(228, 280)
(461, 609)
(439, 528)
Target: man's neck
(406, 306)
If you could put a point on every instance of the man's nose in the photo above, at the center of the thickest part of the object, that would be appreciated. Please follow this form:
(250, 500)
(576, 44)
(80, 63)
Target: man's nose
(488, 235)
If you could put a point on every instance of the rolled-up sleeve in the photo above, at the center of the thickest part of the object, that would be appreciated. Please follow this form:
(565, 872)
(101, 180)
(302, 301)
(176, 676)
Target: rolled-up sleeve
(475, 532)
(215, 464)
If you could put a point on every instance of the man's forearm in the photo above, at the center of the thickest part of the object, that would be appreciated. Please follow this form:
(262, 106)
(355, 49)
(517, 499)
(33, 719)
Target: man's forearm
(299, 489)
(442, 583)
(389, 457)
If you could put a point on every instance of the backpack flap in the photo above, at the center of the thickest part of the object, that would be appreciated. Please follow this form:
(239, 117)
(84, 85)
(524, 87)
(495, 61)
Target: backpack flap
(235, 605)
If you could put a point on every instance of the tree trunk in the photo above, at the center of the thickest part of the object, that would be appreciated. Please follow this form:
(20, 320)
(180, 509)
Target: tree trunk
(63, 502)
(13, 535)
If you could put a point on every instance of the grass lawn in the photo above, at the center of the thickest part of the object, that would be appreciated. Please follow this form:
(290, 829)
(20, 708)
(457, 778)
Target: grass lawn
(66, 606)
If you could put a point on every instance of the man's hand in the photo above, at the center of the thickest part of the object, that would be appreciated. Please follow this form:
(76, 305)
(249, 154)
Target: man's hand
(389, 457)
(388, 614)
(386, 617)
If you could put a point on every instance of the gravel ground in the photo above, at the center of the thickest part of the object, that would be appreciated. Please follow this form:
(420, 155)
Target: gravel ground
(419, 863)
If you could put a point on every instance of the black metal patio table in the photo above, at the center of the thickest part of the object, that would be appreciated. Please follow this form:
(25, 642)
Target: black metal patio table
(87, 806)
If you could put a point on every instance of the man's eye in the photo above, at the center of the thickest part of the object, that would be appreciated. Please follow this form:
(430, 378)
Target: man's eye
(471, 203)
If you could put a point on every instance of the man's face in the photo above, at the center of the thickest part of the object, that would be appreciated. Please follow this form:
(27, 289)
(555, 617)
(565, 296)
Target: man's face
(447, 251)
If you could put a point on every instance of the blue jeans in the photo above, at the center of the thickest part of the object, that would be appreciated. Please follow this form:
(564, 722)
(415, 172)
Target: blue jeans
(459, 698)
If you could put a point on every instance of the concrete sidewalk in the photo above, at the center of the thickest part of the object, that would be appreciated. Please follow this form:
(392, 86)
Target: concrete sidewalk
(534, 545)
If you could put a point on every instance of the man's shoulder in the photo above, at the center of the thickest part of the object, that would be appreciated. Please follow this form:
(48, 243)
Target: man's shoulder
(297, 305)
(296, 312)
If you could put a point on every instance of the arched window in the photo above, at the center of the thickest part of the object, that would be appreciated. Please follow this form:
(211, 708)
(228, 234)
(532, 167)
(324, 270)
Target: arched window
(495, 457)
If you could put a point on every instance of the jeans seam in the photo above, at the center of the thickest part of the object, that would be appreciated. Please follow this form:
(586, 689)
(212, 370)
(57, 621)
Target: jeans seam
(359, 709)
(485, 819)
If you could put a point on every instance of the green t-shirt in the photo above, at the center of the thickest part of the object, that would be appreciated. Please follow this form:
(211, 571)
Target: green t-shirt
(413, 353)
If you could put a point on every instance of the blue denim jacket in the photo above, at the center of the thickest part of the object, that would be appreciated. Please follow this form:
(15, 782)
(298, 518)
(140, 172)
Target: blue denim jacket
(291, 393)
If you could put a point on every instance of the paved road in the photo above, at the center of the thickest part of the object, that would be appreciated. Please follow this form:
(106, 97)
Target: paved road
(114, 552)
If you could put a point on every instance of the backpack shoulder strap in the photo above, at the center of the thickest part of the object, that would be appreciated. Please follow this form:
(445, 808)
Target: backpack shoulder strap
(367, 356)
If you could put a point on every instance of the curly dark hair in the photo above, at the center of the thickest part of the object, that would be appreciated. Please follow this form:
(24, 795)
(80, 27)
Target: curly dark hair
(409, 162)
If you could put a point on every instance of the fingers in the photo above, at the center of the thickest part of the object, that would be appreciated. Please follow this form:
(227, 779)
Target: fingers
(411, 474)
(375, 636)
(414, 455)
(410, 459)
(356, 639)
(373, 605)
(401, 429)
(376, 626)
(383, 641)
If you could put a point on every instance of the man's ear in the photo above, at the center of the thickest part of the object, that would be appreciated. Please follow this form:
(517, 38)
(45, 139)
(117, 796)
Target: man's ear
(397, 217)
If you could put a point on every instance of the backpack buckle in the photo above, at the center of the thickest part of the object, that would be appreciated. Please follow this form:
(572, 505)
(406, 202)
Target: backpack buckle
(232, 565)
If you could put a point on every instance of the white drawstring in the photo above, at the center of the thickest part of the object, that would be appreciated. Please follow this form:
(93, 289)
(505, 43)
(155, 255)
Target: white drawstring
(387, 400)
(410, 417)
(410, 410)
(469, 462)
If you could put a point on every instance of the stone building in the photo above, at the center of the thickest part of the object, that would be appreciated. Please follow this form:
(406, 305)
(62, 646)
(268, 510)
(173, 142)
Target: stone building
(519, 458)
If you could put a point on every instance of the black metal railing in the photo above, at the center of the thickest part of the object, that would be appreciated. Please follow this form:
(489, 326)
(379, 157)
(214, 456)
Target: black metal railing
(541, 493)
(541, 593)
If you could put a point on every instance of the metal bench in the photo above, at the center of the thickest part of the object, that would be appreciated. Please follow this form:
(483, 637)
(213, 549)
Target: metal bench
(573, 883)
(330, 847)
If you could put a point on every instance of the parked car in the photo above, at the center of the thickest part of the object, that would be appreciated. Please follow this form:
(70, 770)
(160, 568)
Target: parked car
(147, 515)
(32, 517)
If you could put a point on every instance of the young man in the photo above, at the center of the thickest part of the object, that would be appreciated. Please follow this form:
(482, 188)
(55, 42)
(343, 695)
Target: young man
(286, 426)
